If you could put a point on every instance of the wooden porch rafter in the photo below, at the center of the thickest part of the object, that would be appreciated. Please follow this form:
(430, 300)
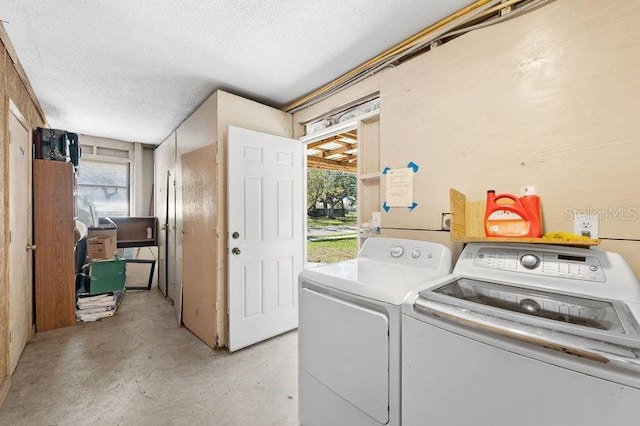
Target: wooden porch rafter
(342, 161)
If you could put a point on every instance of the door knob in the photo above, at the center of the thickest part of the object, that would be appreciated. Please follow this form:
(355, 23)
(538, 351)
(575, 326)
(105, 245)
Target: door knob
(235, 251)
(235, 235)
(31, 247)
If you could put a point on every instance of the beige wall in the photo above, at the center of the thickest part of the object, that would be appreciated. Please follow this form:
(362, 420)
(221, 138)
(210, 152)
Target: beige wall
(11, 87)
(206, 125)
(236, 111)
(548, 99)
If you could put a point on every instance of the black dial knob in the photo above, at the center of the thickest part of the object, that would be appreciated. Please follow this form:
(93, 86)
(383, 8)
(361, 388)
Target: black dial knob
(530, 261)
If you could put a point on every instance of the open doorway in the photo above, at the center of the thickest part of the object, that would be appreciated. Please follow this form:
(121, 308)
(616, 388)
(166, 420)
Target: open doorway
(332, 198)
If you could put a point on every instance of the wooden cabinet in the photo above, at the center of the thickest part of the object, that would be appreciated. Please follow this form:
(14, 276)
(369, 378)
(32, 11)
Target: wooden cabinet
(53, 219)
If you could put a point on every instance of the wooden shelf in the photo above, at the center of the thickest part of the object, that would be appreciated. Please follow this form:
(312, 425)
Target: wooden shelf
(467, 225)
(145, 242)
(369, 176)
(132, 231)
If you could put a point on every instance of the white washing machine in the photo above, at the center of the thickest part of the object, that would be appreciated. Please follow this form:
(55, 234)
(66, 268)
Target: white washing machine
(349, 331)
(526, 335)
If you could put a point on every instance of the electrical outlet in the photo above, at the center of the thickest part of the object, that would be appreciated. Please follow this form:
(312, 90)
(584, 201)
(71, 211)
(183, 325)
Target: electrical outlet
(586, 226)
(446, 222)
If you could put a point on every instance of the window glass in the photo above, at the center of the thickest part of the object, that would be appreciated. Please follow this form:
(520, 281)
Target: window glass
(106, 185)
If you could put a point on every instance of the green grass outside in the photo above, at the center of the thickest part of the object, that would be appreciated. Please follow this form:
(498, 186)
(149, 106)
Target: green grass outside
(318, 222)
(330, 251)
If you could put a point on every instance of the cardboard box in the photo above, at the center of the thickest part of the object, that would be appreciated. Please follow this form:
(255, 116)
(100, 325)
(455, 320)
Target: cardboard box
(107, 276)
(101, 248)
(94, 231)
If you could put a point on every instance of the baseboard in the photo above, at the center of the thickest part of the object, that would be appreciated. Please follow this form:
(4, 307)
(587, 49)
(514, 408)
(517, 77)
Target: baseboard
(4, 389)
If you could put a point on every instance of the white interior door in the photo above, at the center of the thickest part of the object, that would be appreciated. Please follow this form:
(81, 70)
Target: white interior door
(265, 234)
(167, 240)
(164, 160)
(171, 240)
(20, 258)
(160, 199)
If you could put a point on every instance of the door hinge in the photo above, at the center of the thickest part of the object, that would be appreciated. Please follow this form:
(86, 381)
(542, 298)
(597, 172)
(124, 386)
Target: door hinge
(10, 336)
(9, 136)
(10, 237)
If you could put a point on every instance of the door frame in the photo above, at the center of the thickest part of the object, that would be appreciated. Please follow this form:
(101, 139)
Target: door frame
(305, 140)
(345, 126)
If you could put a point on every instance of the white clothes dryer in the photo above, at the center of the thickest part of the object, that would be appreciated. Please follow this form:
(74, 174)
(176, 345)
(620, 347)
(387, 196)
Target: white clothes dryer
(349, 331)
(526, 335)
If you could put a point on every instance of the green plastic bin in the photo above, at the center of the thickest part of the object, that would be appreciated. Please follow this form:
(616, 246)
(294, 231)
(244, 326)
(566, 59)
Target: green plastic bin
(107, 275)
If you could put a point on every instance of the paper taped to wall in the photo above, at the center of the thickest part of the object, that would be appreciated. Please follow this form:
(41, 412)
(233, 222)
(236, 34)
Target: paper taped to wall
(399, 187)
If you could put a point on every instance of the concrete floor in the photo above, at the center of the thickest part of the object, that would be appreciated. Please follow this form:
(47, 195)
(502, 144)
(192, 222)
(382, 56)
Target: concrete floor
(140, 368)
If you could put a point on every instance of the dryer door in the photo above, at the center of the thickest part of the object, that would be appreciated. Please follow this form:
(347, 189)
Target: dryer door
(346, 347)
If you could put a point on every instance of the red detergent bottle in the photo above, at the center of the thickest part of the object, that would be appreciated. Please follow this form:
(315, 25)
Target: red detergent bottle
(531, 203)
(513, 217)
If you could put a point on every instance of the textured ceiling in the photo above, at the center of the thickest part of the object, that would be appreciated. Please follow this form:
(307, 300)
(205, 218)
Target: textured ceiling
(133, 70)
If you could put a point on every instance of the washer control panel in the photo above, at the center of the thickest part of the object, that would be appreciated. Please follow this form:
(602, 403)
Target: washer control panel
(421, 254)
(586, 268)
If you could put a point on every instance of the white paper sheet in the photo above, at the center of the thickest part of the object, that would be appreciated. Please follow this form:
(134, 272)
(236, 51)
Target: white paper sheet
(399, 187)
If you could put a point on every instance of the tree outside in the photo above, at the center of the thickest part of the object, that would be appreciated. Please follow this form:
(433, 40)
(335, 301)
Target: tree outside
(331, 216)
(331, 190)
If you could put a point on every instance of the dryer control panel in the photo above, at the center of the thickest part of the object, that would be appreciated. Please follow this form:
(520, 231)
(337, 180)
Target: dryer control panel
(586, 268)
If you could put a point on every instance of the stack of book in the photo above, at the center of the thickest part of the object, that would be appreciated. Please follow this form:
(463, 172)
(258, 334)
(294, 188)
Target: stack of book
(93, 308)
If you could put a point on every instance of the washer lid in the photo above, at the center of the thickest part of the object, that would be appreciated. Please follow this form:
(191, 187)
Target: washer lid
(383, 281)
(594, 318)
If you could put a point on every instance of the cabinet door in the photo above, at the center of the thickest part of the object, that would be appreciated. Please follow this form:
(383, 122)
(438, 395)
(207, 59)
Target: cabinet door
(200, 241)
(53, 208)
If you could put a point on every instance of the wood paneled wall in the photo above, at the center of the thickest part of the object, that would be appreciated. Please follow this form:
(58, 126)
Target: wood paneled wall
(548, 99)
(11, 87)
